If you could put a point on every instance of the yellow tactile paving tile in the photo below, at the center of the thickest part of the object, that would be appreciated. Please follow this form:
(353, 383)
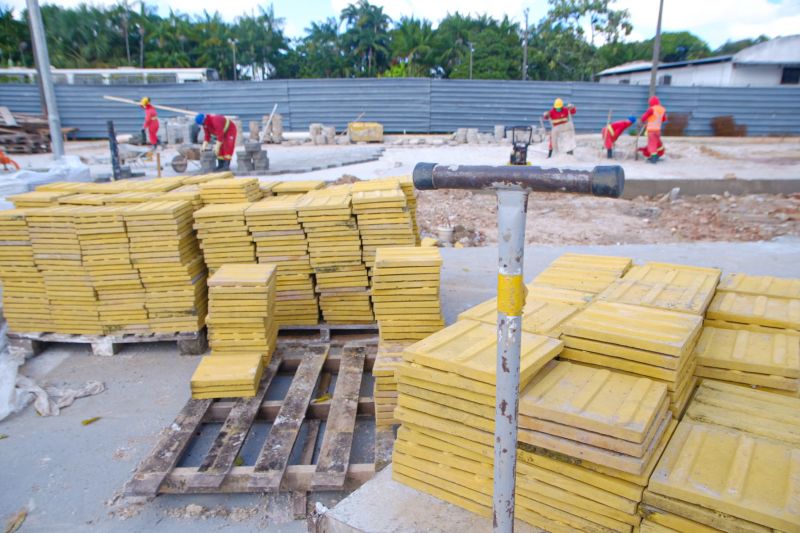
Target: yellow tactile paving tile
(227, 376)
(612, 263)
(756, 309)
(233, 275)
(701, 515)
(36, 198)
(724, 324)
(572, 297)
(469, 348)
(752, 411)
(657, 520)
(409, 257)
(749, 477)
(538, 316)
(765, 353)
(298, 186)
(230, 190)
(583, 279)
(596, 400)
(760, 285)
(749, 378)
(656, 330)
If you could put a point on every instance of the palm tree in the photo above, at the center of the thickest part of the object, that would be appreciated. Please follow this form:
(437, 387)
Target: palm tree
(367, 34)
(413, 42)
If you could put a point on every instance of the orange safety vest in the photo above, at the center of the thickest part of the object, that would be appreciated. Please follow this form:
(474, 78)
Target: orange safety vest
(656, 118)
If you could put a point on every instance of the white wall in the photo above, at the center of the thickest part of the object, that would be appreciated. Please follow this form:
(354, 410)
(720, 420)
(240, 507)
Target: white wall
(709, 75)
(756, 75)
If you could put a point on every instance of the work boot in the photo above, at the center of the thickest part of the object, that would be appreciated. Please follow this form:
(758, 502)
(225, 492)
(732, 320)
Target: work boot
(610, 153)
(220, 165)
(570, 153)
(226, 164)
(549, 153)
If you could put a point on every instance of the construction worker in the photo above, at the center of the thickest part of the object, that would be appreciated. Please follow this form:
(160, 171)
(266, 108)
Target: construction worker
(224, 130)
(612, 132)
(150, 121)
(653, 118)
(562, 131)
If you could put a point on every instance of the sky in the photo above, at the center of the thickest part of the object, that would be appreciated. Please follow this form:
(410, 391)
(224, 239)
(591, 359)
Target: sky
(716, 21)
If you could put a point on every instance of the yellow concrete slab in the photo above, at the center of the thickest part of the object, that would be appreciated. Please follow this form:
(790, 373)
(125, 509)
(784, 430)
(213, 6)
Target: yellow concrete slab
(696, 513)
(656, 330)
(618, 265)
(756, 309)
(765, 353)
(671, 522)
(584, 279)
(724, 324)
(406, 257)
(538, 316)
(761, 285)
(469, 348)
(749, 477)
(673, 377)
(596, 400)
(623, 352)
(749, 378)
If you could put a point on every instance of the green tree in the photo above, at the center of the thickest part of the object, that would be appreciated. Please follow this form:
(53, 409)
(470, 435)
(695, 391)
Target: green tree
(320, 51)
(681, 46)
(367, 37)
(497, 51)
(413, 46)
(15, 47)
(732, 47)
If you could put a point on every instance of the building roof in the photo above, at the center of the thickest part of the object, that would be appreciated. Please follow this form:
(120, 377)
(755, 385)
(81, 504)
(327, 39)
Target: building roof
(781, 50)
(643, 66)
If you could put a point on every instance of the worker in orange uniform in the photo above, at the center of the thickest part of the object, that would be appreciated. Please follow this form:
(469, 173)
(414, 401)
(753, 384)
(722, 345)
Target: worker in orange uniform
(224, 130)
(653, 118)
(612, 132)
(150, 121)
(562, 130)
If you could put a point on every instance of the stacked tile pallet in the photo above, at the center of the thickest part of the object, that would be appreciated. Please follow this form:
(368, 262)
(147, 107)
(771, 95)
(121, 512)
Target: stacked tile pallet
(230, 191)
(107, 258)
(589, 440)
(241, 311)
(222, 231)
(383, 215)
(280, 240)
(25, 303)
(229, 376)
(384, 370)
(406, 293)
(335, 255)
(36, 199)
(297, 187)
(165, 251)
(446, 406)
(731, 465)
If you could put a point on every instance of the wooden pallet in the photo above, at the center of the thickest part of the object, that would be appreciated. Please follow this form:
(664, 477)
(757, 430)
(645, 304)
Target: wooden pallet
(324, 331)
(296, 432)
(30, 344)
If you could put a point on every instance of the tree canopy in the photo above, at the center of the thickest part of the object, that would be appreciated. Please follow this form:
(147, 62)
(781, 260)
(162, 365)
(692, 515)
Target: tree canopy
(574, 40)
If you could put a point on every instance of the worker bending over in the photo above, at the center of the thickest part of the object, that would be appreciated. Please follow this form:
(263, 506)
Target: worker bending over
(150, 121)
(612, 132)
(224, 130)
(654, 117)
(562, 130)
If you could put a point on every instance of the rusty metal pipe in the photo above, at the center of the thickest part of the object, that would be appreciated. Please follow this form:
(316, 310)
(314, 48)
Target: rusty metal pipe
(606, 181)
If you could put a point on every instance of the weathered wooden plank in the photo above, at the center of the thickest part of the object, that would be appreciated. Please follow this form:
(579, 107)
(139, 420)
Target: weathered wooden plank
(168, 450)
(269, 410)
(291, 359)
(240, 479)
(384, 444)
(222, 454)
(274, 456)
(334, 455)
(300, 497)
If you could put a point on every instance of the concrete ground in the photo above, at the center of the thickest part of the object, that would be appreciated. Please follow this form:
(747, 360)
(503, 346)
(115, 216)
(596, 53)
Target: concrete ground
(71, 474)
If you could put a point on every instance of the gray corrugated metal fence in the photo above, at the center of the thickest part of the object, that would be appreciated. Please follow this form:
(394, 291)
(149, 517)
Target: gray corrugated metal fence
(417, 105)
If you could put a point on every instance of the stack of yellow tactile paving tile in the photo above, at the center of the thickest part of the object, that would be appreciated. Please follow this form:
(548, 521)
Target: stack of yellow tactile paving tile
(446, 400)
(297, 187)
(134, 197)
(280, 240)
(83, 199)
(756, 303)
(70, 187)
(388, 358)
(36, 198)
(538, 316)
(164, 249)
(230, 191)
(223, 234)
(202, 178)
(266, 187)
(25, 303)
(189, 193)
(383, 216)
(407, 184)
(57, 254)
(335, 254)
(106, 256)
(574, 414)
(653, 343)
(229, 376)
(665, 286)
(583, 273)
(405, 292)
(765, 360)
(241, 310)
(731, 465)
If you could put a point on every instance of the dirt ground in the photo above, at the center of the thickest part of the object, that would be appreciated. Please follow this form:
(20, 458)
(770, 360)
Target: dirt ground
(562, 219)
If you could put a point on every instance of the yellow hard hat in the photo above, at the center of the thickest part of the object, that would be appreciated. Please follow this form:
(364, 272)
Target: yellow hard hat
(144, 101)
(558, 103)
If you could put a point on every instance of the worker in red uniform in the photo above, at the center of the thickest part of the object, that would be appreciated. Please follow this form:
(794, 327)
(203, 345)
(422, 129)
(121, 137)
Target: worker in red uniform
(612, 132)
(150, 121)
(224, 130)
(562, 130)
(654, 117)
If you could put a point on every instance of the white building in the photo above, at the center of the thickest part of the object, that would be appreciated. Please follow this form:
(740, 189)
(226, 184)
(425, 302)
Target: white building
(774, 62)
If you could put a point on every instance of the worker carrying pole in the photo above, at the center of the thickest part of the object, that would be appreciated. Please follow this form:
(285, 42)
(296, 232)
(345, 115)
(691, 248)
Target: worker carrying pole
(512, 184)
(562, 130)
(224, 130)
(654, 117)
(150, 124)
(612, 132)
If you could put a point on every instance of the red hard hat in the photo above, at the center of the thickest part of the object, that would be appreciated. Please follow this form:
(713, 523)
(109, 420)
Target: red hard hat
(654, 100)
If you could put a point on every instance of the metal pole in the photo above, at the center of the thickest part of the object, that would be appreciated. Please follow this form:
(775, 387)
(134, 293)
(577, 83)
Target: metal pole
(116, 170)
(43, 64)
(511, 208)
(471, 50)
(525, 48)
(656, 51)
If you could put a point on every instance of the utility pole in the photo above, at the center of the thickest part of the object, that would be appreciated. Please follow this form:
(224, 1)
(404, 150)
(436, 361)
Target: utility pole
(525, 47)
(43, 65)
(656, 50)
(233, 45)
(471, 50)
